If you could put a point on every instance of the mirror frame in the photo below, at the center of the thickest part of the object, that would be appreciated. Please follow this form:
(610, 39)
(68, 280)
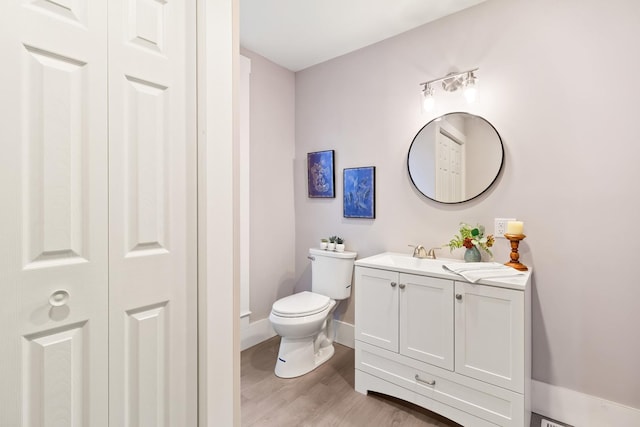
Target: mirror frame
(492, 181)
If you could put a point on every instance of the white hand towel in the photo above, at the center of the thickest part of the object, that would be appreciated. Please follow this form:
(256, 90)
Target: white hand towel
(474, 271)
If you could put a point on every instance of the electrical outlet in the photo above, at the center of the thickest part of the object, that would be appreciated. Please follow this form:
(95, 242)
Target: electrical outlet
(547, 423)
(500, 226)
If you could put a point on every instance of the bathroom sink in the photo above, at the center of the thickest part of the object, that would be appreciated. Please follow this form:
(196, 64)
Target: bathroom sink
(406, 263)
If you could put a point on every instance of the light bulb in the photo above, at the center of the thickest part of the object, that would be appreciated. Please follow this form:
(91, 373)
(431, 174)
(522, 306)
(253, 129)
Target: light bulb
(471, 93)
(470, 88)
(429, 101)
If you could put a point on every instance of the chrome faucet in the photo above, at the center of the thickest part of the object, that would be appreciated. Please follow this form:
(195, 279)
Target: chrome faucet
(420, 252)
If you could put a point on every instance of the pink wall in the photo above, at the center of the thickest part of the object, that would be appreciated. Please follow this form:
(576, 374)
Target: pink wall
(557, 81)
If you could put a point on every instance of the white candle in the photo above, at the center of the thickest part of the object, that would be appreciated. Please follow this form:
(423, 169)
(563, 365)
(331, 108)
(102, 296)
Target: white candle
(515, 227)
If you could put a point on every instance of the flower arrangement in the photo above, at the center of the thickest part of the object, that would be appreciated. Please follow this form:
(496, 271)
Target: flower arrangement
(472, 236)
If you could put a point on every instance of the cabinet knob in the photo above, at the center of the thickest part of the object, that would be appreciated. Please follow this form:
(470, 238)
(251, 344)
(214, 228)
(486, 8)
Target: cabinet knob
(393, 284)
(459, 296)
(402, 286)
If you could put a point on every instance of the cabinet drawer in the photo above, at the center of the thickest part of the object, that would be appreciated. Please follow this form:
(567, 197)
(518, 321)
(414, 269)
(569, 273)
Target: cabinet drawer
(494, 404)
(373, 360)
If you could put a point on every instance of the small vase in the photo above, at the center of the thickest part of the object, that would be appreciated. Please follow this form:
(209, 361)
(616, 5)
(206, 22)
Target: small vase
(331, 246)
(323, 245)
(339, 247)
(472, 255)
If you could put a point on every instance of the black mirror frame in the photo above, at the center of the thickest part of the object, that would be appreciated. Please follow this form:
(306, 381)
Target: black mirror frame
(487, 187)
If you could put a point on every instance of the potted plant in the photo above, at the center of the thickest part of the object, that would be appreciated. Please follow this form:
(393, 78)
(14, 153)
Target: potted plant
(332, 243)
(323, 243)
(339, 244)
(473, 239)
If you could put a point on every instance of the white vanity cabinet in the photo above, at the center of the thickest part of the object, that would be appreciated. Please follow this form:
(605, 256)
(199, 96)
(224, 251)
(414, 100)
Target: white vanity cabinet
(456, 348)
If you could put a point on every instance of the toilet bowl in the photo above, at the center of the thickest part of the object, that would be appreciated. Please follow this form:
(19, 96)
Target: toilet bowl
(305, 320)
(304, 344)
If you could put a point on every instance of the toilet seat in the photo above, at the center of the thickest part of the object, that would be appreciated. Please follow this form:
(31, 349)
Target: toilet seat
(301, 304)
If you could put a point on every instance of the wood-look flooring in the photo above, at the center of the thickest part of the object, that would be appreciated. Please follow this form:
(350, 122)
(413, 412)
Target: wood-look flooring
(323, 397)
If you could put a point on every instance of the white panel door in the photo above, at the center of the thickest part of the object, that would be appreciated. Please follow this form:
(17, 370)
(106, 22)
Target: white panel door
(489, 330)
(152, 213)
(449, 167)
(53, 221)
(426, 319)
(376, 293)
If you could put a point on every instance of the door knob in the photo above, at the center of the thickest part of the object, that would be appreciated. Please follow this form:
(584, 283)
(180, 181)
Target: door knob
(393, 284)
(402, 286)
(459, 296)
(59, 298)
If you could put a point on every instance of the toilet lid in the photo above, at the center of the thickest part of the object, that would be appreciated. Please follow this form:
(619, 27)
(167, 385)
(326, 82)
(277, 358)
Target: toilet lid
(301, 304)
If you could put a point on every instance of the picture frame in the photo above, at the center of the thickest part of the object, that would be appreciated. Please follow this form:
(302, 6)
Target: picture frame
(320, 174)
(359, 192)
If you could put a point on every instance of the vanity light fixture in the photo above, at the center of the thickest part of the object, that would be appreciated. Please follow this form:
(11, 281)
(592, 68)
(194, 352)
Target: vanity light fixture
(450, 83)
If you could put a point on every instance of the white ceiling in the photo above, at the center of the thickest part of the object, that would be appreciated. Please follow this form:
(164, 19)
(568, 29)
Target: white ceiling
(297, 34)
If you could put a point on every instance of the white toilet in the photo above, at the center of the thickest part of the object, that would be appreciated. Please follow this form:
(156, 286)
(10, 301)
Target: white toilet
(305, 320)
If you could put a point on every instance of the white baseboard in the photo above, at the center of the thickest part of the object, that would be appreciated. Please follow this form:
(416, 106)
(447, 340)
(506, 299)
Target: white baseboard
(255, 332)
(345, 333)
(578, 409)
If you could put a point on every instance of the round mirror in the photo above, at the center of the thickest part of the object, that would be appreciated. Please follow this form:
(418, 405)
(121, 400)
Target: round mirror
(455, 157)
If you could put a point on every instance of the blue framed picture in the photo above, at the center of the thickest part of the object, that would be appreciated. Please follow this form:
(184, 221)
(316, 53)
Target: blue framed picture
(359, 196)
(320, 174)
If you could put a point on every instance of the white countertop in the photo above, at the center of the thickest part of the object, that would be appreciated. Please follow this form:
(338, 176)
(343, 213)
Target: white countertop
(404, 263)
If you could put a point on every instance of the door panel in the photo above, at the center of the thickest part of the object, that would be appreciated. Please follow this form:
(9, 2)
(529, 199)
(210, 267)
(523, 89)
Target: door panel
(152, 214)
(53, 224)
(146, 366)
(53, 385)
(146, 180)
(55, 177)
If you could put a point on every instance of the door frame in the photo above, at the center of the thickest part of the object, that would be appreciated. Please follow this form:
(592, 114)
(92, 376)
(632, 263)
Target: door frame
(218, 249)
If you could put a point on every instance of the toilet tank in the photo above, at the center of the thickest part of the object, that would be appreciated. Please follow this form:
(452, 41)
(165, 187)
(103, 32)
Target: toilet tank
(331, 273)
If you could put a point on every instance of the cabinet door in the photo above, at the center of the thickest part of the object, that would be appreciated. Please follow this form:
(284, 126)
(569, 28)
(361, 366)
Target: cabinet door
(376, 293)
(426, 319)
(53, 221)
(489, 334)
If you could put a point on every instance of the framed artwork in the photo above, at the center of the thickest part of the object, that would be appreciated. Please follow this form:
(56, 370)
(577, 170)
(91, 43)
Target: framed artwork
(320, 174)
(359, 192)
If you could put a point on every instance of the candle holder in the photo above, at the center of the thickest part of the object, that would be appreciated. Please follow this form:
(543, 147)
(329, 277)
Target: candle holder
(515, 256)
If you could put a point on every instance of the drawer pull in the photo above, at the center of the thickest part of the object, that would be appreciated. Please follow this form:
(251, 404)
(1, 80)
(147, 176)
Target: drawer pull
(393, 284)
(459, 297)
(402, 285)
(432, 382)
